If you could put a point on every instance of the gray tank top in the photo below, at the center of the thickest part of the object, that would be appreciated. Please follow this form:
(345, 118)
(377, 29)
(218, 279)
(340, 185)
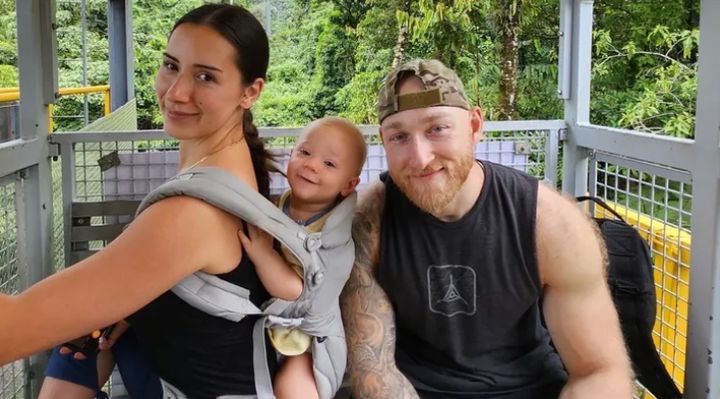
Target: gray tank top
(466, 294)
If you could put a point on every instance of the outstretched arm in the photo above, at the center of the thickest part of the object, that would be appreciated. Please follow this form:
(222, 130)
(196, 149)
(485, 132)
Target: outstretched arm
(170, 240)
(367, 312)
(578, 308)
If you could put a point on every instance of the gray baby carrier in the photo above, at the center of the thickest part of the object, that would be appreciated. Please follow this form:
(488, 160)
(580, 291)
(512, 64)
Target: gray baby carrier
(326, 256)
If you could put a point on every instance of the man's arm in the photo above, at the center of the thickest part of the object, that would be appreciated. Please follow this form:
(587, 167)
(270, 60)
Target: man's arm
(578, 308)
(367, 312)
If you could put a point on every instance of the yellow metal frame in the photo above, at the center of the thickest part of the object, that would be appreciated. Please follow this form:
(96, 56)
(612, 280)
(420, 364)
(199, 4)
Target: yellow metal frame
(13, 94)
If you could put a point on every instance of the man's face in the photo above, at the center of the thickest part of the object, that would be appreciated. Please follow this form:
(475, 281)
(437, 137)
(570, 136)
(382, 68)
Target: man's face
(430, 151)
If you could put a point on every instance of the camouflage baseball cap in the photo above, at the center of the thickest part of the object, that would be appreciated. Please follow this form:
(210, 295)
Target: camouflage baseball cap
(442, 87)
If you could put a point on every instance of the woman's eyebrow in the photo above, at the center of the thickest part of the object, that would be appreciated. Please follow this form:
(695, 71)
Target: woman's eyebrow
(214, 68)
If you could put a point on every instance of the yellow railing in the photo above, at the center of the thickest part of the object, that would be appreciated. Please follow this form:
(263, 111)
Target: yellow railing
(13, 94)
(671, 260)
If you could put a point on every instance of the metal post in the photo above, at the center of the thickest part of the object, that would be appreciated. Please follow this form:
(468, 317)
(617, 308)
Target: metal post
(552, 149)
(121, 52)
(83, 33)
(564, 47)
(577, 106)
(67, 167)
(702, 377)
(36, 60)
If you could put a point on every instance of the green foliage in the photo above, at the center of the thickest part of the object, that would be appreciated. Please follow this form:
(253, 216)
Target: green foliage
(8, 76)
(330, 56)
(661, 96)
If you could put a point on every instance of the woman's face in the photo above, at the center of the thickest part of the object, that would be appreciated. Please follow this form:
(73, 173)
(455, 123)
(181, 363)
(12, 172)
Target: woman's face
(199, 86)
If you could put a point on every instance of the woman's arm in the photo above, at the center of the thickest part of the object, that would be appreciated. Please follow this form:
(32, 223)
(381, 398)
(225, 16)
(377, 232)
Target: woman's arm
(167, 242)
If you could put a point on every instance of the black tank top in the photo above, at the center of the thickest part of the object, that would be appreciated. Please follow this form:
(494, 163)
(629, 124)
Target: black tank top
(466, 293)
(202, 355)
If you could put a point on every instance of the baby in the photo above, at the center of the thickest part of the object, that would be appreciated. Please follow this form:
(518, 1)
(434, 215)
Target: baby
(324, 168)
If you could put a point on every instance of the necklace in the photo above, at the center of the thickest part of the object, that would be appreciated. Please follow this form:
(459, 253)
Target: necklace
(209, 155)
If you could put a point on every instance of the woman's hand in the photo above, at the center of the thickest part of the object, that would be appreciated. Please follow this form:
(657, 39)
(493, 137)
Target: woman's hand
(104, 342)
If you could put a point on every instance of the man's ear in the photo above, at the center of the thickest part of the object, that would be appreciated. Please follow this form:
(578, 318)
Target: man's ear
(476, 124)
(350, 186)
(251, 93)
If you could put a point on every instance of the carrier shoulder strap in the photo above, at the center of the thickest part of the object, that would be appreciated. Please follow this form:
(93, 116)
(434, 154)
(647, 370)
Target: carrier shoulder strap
(224, 191)
(223, 299)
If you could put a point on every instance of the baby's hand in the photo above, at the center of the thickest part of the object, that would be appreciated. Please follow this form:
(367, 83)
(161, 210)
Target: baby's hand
(258, 244)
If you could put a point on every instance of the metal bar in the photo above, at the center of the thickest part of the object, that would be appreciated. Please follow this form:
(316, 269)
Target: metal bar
(105, 208)
(67, 158)
(552, 150)
(97, 233)
(37, 59)
(564, 47)
(121, 51)
(577, 106)
(643, 166)
(134, 135)
(106, 102)
(369, 130)
(83, 52)
(671, 151)
(19, 154)
(702, 379)
(592, 179)
(13, 93)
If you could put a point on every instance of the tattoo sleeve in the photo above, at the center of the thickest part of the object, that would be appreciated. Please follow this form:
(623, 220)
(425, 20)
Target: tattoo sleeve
(367, 312)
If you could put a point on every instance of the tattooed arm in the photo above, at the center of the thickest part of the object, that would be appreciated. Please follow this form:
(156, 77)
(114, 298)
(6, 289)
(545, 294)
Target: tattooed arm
(367, 313)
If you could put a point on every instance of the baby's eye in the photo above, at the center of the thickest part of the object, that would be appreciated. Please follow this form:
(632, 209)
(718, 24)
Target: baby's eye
(397, 137)
(303, 152)
(330, 164)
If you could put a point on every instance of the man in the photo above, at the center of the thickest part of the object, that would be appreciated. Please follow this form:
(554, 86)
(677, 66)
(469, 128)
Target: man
(453, 258)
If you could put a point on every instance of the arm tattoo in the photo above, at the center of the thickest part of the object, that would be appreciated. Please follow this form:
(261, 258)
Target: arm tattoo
(368, 314)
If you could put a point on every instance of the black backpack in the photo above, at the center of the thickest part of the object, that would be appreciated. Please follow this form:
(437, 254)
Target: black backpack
(631, 282)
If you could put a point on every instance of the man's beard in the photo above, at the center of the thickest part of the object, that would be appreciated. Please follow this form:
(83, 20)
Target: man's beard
(434, 198)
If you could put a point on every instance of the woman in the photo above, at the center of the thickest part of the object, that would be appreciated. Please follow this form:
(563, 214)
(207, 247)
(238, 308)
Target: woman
(212, 72)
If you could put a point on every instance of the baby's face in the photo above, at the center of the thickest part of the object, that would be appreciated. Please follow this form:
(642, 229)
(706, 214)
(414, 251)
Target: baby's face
(323, 165)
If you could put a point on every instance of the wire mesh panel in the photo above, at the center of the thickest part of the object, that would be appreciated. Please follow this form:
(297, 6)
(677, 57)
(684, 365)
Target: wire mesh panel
(657, 201)
(58, 251)
(13, 375)
(130, 169)
(122, 166)
(522, 150)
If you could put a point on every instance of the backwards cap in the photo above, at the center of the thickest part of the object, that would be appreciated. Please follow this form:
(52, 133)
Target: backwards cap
(442, 87)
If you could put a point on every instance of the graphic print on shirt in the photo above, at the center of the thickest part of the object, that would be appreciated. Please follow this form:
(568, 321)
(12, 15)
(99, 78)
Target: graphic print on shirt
(451, 289)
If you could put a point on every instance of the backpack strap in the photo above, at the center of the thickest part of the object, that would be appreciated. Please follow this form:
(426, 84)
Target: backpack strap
(601, 203)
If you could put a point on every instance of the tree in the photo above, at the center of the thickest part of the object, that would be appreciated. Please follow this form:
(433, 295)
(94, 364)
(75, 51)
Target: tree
(507, 19)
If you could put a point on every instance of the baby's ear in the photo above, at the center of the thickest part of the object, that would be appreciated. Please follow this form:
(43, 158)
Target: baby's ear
(350, 186)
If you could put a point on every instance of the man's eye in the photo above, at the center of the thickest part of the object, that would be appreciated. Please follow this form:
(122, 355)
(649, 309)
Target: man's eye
(439, 128)
(169, 66)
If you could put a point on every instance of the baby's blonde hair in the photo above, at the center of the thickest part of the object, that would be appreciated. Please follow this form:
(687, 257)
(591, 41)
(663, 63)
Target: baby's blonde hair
(346, 127)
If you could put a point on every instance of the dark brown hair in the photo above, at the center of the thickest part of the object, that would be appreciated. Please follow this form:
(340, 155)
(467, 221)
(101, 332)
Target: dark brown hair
(241, 29)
